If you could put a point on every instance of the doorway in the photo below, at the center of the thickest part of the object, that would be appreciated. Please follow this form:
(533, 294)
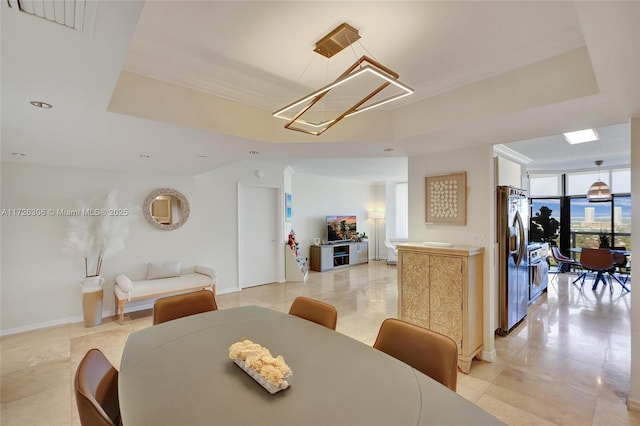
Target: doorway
(257, 235)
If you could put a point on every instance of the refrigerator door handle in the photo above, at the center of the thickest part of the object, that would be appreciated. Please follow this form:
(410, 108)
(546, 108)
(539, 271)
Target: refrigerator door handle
(520, 239)
(512, 241)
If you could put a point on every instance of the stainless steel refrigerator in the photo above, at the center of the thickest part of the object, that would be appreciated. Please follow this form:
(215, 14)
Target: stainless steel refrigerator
(512, 214)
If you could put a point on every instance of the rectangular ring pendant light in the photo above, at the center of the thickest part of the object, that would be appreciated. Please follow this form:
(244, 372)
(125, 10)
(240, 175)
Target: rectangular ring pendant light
(295, 112)
(382, 86)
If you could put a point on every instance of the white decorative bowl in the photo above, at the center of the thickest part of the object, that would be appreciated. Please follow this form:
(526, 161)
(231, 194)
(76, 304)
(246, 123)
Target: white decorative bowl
(264, 382)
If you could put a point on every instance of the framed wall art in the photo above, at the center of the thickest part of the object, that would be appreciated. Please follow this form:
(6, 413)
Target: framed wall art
(446, 199)
(288, 211)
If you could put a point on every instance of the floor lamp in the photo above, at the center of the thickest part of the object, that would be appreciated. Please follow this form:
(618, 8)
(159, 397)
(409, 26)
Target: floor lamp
(376, 215)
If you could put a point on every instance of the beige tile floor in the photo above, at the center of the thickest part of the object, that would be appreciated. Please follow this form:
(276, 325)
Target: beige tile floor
(567, 364)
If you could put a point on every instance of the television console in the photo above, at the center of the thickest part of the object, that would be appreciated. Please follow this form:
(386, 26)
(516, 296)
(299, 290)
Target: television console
(327, 257)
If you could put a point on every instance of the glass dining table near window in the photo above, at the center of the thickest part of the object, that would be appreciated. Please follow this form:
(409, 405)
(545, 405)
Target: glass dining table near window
(179, 373)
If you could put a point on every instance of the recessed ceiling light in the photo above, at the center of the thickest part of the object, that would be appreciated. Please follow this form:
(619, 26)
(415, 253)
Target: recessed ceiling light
(145, 156)
(581, 136)
(41, 104)
(18, 154)
(254, 152)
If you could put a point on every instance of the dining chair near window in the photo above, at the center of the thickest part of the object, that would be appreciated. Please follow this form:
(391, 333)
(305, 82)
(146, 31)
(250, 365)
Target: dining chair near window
(563, 262)
(315, 311)
(96, 389)
(182, 305)
(621, 264)
(621, 270)
(600, 262)
(434, 354)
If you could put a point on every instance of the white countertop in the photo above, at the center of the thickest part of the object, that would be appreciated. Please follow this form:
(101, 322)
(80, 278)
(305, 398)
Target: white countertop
(443, 247)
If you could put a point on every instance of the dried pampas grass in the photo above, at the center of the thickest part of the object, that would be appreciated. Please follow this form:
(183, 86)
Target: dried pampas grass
(98, 233)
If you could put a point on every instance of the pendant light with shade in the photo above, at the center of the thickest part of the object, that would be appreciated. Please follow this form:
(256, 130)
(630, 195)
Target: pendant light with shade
(599, 191)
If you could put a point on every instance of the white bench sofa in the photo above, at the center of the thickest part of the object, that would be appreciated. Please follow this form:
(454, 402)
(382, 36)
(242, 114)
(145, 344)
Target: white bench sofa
(392, 251)
(162, 279)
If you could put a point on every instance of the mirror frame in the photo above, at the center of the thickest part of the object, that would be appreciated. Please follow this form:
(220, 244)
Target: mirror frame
(185, 209)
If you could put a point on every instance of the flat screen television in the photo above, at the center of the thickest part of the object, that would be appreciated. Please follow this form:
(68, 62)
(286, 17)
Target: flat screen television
(341, 228)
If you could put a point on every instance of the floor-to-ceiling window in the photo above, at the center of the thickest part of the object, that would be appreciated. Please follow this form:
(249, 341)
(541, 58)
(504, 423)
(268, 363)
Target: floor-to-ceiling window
(562, 215)
(590, 223)
(622, 222)
(545, 192)
(545, 220)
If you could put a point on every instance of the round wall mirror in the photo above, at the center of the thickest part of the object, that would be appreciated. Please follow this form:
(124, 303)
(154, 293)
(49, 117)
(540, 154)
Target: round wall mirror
(166, 209)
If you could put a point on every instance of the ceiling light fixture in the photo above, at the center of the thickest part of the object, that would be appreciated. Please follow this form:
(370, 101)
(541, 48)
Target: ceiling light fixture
(599, 191)
(581, 136)
(41, 104)
(364, 83)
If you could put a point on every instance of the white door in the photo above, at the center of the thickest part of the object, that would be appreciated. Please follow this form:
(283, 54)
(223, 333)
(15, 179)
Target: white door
(257, 235)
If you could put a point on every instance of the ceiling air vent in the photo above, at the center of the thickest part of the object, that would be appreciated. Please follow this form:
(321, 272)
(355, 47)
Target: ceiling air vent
(75, 14)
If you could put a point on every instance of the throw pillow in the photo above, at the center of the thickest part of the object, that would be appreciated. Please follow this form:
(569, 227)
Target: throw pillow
(163, 270)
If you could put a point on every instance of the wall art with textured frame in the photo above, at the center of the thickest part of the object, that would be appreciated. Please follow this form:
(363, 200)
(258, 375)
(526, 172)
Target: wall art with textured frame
(446, 199)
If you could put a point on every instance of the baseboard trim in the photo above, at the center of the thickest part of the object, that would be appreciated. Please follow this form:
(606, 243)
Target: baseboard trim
(633, 405)
(41, 325)
(75, 319)
(129, 307)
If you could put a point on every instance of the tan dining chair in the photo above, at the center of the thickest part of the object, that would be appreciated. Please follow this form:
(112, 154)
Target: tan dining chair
(434, 354)
(315, 311)
(598, 261)
(96, 389)
(182, 305)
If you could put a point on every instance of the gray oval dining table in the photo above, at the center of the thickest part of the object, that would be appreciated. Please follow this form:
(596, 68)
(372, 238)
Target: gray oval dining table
(179, 373)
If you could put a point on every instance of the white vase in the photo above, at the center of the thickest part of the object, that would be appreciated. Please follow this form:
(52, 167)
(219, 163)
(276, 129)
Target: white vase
(92, 300)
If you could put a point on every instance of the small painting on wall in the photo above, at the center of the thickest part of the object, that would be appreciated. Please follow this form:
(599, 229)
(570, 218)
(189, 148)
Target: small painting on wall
(288, 212)
(446, 199)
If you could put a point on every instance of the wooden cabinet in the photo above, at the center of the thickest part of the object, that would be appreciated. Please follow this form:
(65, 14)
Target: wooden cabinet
(327, 257)
(441, 289)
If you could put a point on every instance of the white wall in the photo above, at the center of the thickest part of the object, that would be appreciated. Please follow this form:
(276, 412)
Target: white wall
(219, 192)
(508, 173)
(40, 282)
(478, 163)
(315, 197)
